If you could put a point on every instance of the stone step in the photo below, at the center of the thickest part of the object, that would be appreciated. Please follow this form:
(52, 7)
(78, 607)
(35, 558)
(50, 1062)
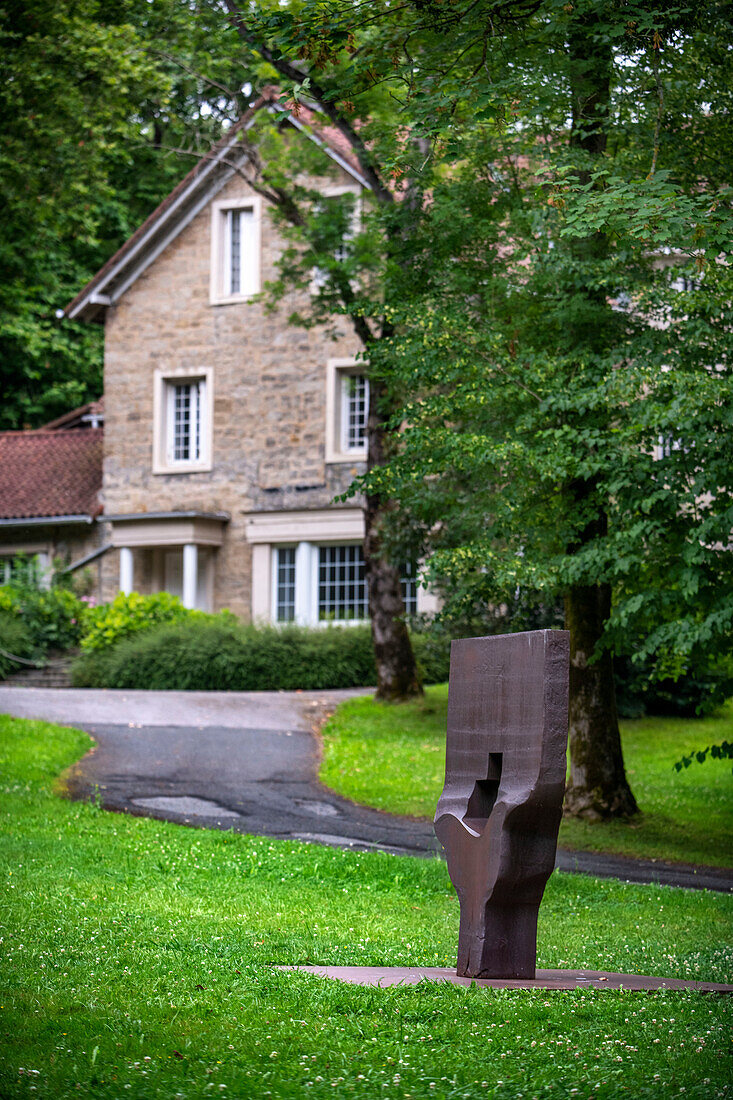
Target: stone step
(56, 674)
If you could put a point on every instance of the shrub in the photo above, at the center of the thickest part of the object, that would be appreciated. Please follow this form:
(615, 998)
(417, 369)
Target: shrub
(699, 691)
(53, 616)
(15, 638)
(432, 653)
(216, 654)
(108, 624)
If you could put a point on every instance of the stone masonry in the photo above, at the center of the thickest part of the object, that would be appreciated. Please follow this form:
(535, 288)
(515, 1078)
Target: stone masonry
(269, 409)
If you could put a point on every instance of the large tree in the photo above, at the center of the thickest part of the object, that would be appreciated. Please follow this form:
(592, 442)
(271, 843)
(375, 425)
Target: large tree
(94, 96)
(324, 239)
(558, 308)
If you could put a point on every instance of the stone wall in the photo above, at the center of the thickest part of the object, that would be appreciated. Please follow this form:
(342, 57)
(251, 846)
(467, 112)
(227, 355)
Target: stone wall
(269, 411)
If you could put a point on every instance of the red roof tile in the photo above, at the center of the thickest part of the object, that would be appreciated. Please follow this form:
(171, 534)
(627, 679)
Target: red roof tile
(56, 473)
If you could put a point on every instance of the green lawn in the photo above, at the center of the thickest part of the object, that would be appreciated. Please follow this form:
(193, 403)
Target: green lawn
(392, 756)
(138, 962)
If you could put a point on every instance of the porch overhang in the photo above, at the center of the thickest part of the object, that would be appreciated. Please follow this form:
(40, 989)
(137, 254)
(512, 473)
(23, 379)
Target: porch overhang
(154, 529)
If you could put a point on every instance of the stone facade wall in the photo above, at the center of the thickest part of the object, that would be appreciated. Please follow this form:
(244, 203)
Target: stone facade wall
(269, 410)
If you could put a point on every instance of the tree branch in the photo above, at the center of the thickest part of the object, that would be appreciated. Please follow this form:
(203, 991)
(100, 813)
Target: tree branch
(318, 93)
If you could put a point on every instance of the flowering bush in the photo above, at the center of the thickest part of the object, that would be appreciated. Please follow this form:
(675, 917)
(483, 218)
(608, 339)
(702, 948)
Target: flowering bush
(109, 623)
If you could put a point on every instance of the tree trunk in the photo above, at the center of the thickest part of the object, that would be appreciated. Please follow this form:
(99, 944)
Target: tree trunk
(598, 787)
(397, 676)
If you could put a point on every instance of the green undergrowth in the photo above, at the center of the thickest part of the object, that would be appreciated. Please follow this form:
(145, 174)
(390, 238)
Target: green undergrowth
(392, 756)
(139, 960)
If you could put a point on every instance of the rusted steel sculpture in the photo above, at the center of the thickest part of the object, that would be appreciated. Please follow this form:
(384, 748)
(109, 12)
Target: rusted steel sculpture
(499, 813)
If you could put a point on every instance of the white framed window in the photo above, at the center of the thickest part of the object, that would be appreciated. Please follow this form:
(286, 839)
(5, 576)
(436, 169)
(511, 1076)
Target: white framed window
(667, 445)
(408, 585)
(284, 584)
(342, 587)
(26, 567)
(182, 421)
(347, 411)
(354, 411)
(235, 250)
(341, 252)
(320, 584)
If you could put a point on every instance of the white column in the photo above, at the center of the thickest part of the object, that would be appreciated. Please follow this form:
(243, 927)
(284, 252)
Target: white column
(305, 597)
(262, 605)
(190, 573)
(125, 570)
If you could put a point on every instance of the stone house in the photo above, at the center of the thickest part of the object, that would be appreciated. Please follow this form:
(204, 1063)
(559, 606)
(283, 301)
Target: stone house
(228, 431)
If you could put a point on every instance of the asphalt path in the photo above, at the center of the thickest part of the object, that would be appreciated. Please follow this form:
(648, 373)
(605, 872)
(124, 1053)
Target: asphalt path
(248, 762)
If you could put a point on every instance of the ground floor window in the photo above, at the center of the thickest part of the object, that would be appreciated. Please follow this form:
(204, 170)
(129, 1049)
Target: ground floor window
(32, 569)
(285, 584)
(321, 584)
(342, 587)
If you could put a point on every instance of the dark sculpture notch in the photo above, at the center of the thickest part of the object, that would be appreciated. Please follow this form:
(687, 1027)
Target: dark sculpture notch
(499, 813)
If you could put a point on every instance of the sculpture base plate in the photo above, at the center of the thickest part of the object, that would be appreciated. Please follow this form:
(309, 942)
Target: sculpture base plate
(546, 979)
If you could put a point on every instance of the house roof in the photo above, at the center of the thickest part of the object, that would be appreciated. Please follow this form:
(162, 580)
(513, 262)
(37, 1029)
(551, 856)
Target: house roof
(77, 418)
(187, 199)
(50, 473)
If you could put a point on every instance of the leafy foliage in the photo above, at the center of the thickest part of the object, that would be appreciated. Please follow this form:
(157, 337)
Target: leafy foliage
(52, 616)
(104, 106)
(108, 624)
(15, 640)
(723, 751)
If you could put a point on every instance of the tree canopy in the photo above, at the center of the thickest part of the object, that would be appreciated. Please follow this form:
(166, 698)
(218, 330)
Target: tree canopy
(104, 106)
(554, 352)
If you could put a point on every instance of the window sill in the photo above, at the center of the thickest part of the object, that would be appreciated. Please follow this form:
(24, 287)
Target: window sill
(233, 299)
(184, 468)
(335, 457)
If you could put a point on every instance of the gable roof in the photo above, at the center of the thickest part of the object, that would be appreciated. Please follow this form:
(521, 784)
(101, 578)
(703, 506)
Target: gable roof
(50, 473)
(190, 196)
(82, 417)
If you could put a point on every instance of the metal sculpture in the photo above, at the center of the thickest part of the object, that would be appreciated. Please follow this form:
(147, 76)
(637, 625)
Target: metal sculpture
(499, 813)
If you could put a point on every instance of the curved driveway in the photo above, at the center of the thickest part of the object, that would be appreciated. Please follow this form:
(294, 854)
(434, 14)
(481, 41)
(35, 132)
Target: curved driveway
(248, 761)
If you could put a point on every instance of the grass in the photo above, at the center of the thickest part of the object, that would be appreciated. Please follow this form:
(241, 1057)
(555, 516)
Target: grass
(393, 757)
(138, 962)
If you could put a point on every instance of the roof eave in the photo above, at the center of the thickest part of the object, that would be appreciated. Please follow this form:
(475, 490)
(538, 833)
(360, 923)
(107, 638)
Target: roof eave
(46, 521)
(203, 182)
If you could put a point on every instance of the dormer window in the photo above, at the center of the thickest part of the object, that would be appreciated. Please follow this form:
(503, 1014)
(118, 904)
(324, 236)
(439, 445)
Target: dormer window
(235, 250)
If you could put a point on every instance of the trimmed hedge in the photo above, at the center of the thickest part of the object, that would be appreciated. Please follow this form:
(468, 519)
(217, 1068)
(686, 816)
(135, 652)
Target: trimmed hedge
(223, 656)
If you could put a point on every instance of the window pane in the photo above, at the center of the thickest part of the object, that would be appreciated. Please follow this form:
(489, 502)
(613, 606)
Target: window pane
(285, 600)
(235, 251)
(186, 421)
(354, 411)
(342, 589)
(408, 585)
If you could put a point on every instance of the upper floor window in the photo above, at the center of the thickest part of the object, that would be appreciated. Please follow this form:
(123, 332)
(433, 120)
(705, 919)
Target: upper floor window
(235, 250)
(347, 411)
(185, 401)
(182, 421)
(329, 210)
(354, 411)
